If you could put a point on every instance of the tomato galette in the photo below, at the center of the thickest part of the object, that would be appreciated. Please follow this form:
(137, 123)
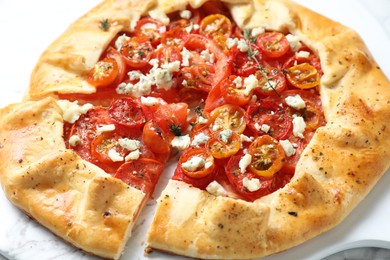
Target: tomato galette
(276, 117)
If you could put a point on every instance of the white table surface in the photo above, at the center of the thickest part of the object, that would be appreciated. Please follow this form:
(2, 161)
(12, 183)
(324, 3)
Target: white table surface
(27, 29)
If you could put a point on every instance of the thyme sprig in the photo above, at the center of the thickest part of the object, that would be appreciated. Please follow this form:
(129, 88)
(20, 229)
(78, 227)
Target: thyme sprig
(252, 55)
(105, 24)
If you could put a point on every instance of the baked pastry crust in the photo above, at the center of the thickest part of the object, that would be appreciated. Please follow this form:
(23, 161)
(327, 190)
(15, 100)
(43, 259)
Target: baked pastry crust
(73, 198)
(355, 96)
(337, 169)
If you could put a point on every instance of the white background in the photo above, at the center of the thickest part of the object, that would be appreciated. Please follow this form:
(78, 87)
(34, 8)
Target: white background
(27, 28)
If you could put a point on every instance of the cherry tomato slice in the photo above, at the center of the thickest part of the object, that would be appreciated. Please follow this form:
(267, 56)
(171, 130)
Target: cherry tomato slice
(312, 113)
(303, 76)
(234, 92)
(242, 64)
(267, 156)
(216, 24)
(237, 178)
(151, 29)
(268, 113)
(167, 54)
(137, 51)
(172, 118)
(198, 76)
(105, 143)
(271, 82)
(103, 73)
(127, 112)
(196, 163)
(155, 139)
(273, 44)
(223, 144)
(141, 174)
(228, 117)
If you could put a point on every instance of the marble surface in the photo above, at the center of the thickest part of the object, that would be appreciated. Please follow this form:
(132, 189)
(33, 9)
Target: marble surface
(365, 232)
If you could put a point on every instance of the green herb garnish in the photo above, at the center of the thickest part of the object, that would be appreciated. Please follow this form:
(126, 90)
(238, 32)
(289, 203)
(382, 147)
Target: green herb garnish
(105, 24)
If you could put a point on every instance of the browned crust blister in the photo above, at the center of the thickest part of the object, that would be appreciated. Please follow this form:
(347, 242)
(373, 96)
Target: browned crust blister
(338, 168)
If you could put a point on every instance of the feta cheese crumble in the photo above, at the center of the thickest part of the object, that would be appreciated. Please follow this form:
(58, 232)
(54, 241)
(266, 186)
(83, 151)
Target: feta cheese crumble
(299, 126)
(244, 162)
(216, 189)
(288, 148)
(105, 128)
(181, 142)
(194, 163)
(251, 184)
(295, 102)
(74, 140)
(199, 139)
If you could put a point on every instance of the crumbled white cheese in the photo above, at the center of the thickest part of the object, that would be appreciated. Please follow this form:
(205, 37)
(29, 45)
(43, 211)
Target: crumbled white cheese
(185, 14)
(295, 102)
(186, 56)
(230, 42)
(201, 120)
(243, 45)
(120, 41)
(224, 135)
(105, 128)
(216, 189)
(299, 126)
(303, 54)
(159, 15)
(245, 138)
(295, 45)
(250, 83)
(287, 147)
(149, 101)
(194, 163)
(207, 56)
(216, 127)
(238, 82)
(129, 144)
(72, 111)
(172, 66)
(181, 142)
(244, 162)
(134, 155)
(199, 139)
(265, 128)
(257, 31)
(134, 74)
(115, 156)
(269, 85)
(251, 184)
(74, 140)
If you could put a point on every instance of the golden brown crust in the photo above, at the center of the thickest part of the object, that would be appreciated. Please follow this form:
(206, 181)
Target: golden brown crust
(339, 167)
(341, 164)
(76, 200)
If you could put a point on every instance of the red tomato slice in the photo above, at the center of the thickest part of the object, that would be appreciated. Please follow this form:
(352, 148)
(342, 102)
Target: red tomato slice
(228, 117)
(167, 54)
(271, 82)
(242, 64)
(103, 143)
(171, 116)
(267, 156)
(233, 94)
(221, 146)
(312, 113)
(273, 44)
(141, 174)
(151, 29)
(137, 51)
(155, 139)
(103, 73)
(303, 76)
(236, 179)
(196, 163)
(127, 112)
(268, 112)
